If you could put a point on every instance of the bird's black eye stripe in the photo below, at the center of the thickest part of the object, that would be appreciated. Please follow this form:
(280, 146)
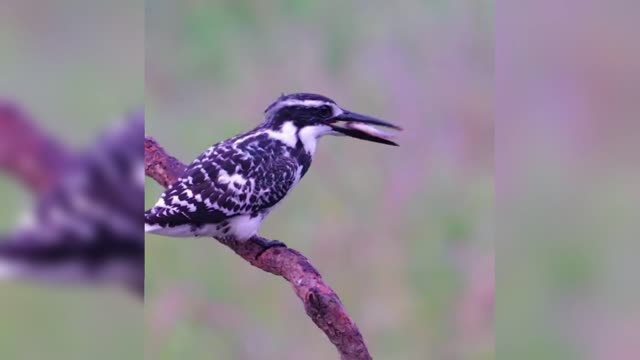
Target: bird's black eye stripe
(325, 111)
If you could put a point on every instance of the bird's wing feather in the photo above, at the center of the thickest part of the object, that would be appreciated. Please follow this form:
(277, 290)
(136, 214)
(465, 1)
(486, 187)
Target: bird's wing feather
(224, 182)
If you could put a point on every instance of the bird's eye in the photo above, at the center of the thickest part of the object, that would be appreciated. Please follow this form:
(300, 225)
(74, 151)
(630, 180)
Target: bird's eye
(325, 111)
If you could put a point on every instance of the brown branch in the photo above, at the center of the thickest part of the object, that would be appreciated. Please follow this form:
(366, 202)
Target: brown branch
(320, 302)
(26, 152)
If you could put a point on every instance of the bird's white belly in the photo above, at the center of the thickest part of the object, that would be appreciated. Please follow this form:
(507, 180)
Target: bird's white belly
(241, 227)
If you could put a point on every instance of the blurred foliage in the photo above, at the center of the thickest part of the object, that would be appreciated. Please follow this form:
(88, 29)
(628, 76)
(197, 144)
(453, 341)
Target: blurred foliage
(404, 235)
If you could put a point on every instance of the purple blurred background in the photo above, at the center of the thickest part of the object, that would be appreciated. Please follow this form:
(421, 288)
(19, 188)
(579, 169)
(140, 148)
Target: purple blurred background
(567, 136)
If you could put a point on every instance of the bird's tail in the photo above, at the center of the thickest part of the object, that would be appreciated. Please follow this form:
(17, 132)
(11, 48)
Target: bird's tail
(152, 222)
(13, 264)
(8, 270)
(166, 221)
(149, 225)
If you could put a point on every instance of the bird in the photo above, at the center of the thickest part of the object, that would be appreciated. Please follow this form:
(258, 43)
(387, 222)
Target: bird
(228, 190)
(85, 231)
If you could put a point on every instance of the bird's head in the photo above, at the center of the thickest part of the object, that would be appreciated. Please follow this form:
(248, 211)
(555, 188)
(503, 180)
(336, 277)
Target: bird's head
(311, 116)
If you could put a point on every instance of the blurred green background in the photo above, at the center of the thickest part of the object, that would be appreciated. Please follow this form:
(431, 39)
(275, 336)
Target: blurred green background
(75, 66)
(404, 235)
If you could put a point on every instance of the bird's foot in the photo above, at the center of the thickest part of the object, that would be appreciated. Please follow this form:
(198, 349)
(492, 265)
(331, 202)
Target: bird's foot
(266, 244)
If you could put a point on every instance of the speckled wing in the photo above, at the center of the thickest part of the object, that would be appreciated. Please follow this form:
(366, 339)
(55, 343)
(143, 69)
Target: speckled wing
(225, 182)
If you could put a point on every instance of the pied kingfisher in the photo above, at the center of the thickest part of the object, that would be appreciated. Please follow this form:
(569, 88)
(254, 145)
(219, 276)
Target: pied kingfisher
(229, 189)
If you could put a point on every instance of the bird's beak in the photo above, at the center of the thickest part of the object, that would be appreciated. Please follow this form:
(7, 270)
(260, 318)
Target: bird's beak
(360, 127)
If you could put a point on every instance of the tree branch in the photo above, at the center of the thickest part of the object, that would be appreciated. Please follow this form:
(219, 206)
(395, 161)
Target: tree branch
(321, 303)
(26, 152)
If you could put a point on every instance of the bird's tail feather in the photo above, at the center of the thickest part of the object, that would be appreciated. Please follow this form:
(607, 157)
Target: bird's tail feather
(151, 226)
(166, 221)
(7, 267)
(8, 270)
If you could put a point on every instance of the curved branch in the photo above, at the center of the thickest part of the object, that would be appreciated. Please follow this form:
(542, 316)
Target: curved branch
(321, 303)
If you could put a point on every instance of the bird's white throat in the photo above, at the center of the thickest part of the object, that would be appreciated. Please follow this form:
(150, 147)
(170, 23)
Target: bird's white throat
(308, 135)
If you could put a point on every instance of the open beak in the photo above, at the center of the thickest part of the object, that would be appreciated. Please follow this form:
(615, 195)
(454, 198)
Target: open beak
(360, 127)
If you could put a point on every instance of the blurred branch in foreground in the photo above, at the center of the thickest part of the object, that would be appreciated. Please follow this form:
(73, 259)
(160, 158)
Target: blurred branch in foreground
(321, 303)
(84, 227)
(26, 152)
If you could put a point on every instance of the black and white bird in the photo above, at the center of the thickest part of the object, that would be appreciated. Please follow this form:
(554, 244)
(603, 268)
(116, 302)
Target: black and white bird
(230, 188)
(85, 230)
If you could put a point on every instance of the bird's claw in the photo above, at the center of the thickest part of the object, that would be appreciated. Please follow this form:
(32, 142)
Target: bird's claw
(266, 245)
